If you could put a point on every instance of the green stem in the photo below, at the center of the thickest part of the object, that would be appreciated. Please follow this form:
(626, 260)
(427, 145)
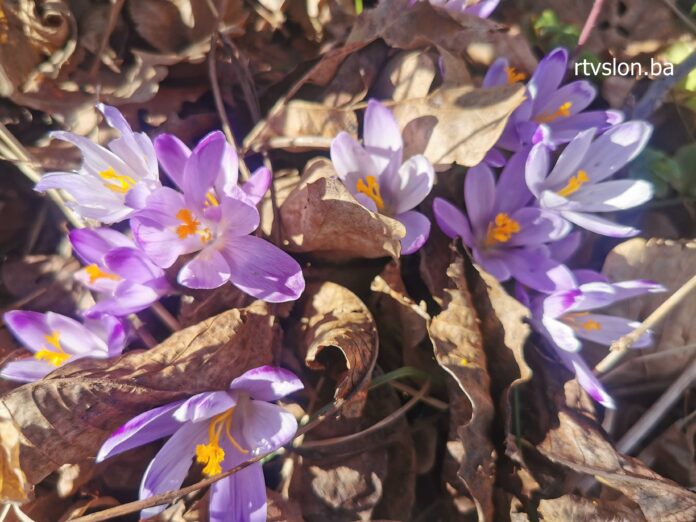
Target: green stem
(358, 6)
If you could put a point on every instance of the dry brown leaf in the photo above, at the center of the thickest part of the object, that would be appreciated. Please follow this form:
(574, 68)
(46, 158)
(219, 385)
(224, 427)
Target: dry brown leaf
(670, 263)
(13, 482)
(334, 317)
(458, 124)
(282, 509)
(299, 124)
(323, 219)
(673, 452)
(408, 74)
(576, 508)
(67, 416)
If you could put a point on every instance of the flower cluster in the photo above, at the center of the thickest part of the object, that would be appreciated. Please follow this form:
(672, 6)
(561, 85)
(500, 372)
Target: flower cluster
(519, 225)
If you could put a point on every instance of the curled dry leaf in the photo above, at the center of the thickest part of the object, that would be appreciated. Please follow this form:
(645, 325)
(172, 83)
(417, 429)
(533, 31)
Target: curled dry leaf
(457, 124)
(68, 415)
(334, 317)
(13, 483)
(299, 124)
(323, 219)
(670, 263)
(408, 74)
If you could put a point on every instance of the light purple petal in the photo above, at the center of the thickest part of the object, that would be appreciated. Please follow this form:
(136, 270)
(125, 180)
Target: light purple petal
(537, 226)
(239, 497)
(605, 329)
(563, 249)
(452, 221)
(599, 225)
(494, 265)
(170, 466)
(204, 406)
(264, 427)
(414, 182)
(212, 162)
(548, 76)
(30, 328)
(267, 383)
(615, 148)
(635, 288)
(579, 94)
(417, 231)
(511, 191)
(533, 267)
(536, 168)
(239, 218)
(140, 430)
(111, 330)
(262, 270)
(609, 196)
(162, 246)
(257, 185)
(496, 74)
(559, 303)
(482, 9)
(132, 264)
(586, 378)
(172, 153)
(26, 370)
(479, 195)
(565, 129)
(351, 161)
(209, 269)
(562, 335)
(383, 142)
(569, 161)
(75, 339)
(91, 244)
(128, 298)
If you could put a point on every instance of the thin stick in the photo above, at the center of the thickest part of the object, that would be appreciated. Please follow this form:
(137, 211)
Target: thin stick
(687, 21)
(5, 510)
(652, 99)
(619, 349)
(589, 25)
(167, 318)
(650, 418)
(430, 401)
(110, 24)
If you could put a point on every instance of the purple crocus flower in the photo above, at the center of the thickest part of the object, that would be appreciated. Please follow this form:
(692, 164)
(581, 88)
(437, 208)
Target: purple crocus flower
(507, 236)
(125, 278)
(113, 182)
(222, 429)
(568, 316)
(377, 178)
(480, 8)
(552, 113)
(213, 219)
(55, 340)
(576, 188)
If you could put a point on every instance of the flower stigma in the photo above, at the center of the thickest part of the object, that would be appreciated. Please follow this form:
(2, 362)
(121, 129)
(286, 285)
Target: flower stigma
(57, 357)
(191, 226)
(212, 454)
(574, 183)
(95, 272)
(501, 229)
(116, 182)
(514, 76)
(371, 190)
(562, 111)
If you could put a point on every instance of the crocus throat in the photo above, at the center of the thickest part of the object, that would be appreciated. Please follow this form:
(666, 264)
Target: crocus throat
(514, 76)
(371, 190)
(501, 229)
(212, 454)
(576, 321)
(191, 226)
(57, 357)
(95, 272)
(562, 112)
(116, 182)
(574, 183)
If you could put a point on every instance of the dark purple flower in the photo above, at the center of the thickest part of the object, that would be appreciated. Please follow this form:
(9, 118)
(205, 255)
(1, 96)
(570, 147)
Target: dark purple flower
(221, 429)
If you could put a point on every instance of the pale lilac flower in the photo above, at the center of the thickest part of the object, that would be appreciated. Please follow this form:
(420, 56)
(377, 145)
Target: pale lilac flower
(552, 113)
(377, 178)
(577, 187)
(507, 237)
(113, 182)
(212, 220)
(55, 340)
(569, 316)
(126, 280)
(480, 8)
(222, 429)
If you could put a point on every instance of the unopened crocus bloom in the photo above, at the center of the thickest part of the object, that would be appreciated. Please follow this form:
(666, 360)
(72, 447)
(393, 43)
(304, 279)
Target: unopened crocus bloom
(56, 340)
(221, 429)
(480, 8)
(569, 316)
(577, 187)
(113, 181)
(123, 276)
(552, 113)
(507, 236)
(212, 220)
(377, 178)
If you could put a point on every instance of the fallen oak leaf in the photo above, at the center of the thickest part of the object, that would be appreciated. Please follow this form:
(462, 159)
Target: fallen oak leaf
(69, 414)
(323, 219)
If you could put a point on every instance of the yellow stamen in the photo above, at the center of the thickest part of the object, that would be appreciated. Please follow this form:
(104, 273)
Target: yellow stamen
(121, 183)
(190, 225)
(562, 111)
(501, 229)
(514, 76)
(574, 183)
(95, 272)
(56, 358)
(211, 454)
(371, 190)
(591, 325)
(210, 200)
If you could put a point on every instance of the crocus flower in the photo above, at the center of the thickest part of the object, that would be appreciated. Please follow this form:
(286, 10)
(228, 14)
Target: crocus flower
(577, 186)
(222, 429)
(507, 236)
(377, 178)
(126, 280)
(569, 316)
(552, 113)
(480, 8)
(113, 182)
(56, 340)
(212, 220)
